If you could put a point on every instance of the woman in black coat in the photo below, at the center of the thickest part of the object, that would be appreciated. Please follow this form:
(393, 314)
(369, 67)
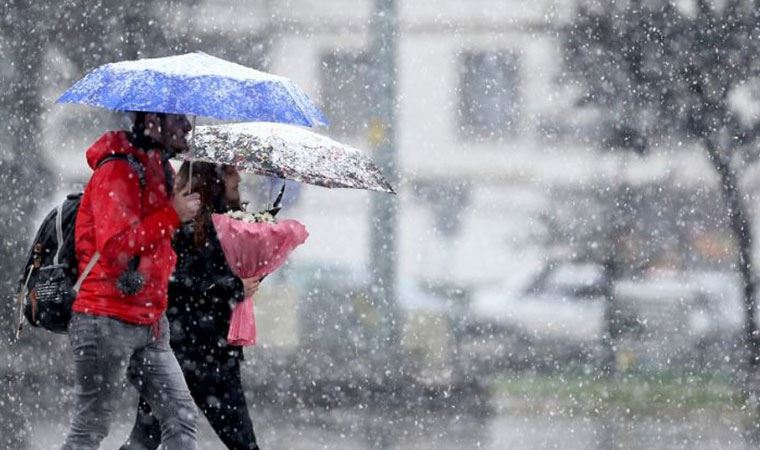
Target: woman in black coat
(202, 293)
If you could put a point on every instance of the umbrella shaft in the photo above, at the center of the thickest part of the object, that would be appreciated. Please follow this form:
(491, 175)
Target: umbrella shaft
(192, 146)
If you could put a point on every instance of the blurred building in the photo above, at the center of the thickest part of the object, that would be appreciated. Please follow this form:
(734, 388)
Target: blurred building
(486, 131)
(486, 128)
(490, 142)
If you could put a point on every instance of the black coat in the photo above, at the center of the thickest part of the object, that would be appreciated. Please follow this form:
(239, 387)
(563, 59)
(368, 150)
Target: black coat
(202, 292)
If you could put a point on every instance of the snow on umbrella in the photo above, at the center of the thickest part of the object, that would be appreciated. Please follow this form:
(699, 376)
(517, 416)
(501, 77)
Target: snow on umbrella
(195, 84)
(289, 152)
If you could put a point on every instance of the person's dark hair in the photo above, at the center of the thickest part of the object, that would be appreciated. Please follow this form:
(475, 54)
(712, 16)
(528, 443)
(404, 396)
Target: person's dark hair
(138, 122)
(208, 181)
(138, 137)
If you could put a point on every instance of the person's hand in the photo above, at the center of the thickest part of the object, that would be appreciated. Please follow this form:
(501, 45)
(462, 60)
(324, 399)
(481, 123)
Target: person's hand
(250, 286)
(186, 204)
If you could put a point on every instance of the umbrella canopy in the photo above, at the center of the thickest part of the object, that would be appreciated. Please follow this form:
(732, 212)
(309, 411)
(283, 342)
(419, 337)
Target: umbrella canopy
(195, 84)
(289, 152)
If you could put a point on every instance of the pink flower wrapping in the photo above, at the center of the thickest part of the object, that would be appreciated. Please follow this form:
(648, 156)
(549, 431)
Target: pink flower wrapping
(254, 250)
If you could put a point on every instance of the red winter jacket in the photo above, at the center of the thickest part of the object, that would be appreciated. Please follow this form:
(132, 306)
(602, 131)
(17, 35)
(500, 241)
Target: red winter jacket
(120, 220)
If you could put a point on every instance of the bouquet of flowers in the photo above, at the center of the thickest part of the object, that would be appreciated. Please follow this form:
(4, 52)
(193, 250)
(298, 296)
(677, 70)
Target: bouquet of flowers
(254, 245)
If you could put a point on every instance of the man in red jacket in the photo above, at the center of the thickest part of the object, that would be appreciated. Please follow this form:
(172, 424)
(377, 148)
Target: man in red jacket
(123, 232)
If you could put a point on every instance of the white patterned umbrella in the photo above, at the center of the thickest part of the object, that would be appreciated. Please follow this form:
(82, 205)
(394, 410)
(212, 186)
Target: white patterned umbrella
(288, 152)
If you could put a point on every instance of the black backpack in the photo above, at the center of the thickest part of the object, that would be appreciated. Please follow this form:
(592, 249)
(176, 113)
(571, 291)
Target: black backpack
(49, 281)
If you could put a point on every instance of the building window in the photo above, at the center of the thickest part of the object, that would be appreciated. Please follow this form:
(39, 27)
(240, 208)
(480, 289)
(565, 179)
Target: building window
(488, 99)
(346, 94)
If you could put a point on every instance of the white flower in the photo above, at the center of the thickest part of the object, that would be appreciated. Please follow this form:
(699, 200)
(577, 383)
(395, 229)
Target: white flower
(257, 217)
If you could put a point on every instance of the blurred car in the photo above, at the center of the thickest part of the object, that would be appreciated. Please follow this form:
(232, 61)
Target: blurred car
(557, 316)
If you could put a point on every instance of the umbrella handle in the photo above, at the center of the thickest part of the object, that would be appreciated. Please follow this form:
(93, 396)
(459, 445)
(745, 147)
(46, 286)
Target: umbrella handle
(192, 146)
(276, 205)
(278, 200)
(190, 177)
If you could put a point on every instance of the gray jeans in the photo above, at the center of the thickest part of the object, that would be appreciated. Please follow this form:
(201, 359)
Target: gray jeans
(104, 351)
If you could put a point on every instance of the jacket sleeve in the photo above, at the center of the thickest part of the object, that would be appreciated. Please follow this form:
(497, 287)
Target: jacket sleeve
(218, 285)
(227, 287)
(120, 232)
(204, 271)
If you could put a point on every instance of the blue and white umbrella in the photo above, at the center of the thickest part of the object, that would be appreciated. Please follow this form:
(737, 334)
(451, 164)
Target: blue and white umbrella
(196, 84)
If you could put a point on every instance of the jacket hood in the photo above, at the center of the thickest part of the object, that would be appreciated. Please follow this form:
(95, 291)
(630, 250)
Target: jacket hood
(111, 143)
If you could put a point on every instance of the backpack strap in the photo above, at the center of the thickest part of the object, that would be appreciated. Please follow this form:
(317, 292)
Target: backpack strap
(87, 270)
(58, 232)
(136, 166)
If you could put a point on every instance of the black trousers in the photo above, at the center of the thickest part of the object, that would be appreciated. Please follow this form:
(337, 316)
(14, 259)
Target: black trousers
(218, 392)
